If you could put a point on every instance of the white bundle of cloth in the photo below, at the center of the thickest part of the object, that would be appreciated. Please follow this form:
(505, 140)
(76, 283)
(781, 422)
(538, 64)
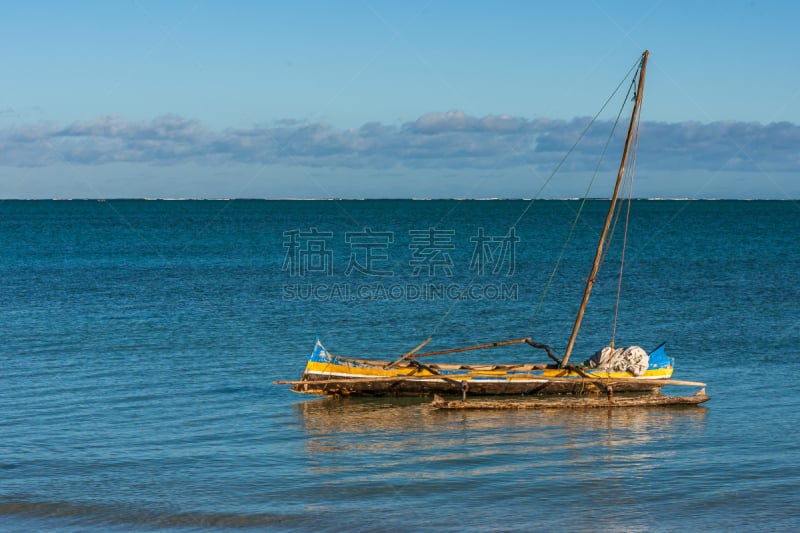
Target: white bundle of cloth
(632, 359)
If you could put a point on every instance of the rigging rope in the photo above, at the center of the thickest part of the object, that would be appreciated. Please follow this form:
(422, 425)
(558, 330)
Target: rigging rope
(555, 171)
(627, 221)
(588, 189)
(633, 68)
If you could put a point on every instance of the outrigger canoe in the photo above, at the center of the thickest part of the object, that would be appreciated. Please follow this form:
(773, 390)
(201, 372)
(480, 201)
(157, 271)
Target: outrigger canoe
(610, 370)
(333, 375)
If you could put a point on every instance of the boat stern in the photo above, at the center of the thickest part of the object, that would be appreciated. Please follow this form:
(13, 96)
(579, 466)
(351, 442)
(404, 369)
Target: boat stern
(660, 364)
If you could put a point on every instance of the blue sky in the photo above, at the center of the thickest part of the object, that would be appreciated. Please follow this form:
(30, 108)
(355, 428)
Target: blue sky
(390, 99)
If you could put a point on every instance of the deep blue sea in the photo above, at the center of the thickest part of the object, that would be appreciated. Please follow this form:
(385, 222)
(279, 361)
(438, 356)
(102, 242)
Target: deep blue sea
(139, 341)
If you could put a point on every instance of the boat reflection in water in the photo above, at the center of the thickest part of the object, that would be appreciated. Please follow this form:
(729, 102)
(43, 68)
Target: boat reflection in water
(407, 440)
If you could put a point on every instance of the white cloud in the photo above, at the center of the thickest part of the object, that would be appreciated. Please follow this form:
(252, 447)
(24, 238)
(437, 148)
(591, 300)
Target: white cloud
(436, 140)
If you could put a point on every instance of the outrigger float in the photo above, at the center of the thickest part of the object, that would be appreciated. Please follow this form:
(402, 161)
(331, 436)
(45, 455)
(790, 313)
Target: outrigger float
(573, 402)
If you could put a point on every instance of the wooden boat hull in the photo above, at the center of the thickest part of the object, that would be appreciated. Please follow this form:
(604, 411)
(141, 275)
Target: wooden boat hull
(331, 375)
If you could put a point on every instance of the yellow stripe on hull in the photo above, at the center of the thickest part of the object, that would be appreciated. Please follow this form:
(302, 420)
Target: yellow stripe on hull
(346, 371)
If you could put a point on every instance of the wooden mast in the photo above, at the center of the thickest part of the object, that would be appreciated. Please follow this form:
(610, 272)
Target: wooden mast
(599, 254)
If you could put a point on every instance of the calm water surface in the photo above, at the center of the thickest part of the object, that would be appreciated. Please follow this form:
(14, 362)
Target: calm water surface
(140, 340)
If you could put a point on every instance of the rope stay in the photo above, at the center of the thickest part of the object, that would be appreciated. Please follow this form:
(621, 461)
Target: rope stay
(631, 95)
(586, 130)
(629, 183)
(609, 139)
(635, 114)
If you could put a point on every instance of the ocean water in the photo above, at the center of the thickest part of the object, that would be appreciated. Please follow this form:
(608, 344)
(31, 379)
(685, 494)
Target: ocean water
(139, 341)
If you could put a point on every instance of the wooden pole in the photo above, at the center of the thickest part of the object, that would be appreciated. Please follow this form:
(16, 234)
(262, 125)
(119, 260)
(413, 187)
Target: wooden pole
(409, 354)
(476, 347)
(599, 253)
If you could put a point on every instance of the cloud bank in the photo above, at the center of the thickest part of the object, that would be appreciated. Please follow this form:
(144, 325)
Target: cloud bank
(450, 139)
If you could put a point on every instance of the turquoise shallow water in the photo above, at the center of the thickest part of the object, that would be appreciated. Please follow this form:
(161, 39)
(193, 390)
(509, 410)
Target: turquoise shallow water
(140, 340)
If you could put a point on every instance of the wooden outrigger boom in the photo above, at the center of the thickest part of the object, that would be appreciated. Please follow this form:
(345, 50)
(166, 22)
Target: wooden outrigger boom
(409, 354)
